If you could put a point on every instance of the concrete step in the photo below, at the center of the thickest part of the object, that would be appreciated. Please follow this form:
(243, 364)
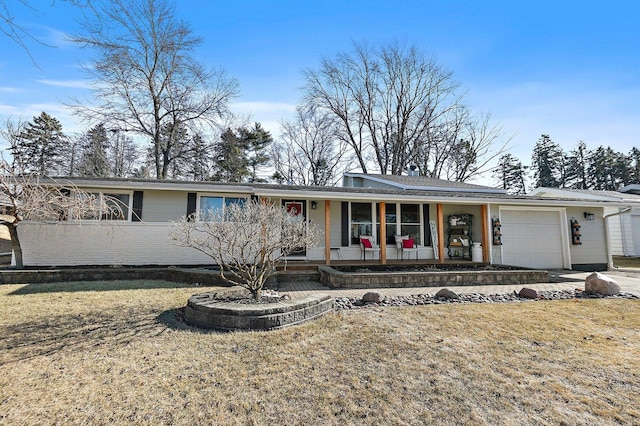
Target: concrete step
(299, 275)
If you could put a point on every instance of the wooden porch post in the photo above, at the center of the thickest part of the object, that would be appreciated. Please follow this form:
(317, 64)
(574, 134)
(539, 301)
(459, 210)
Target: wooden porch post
(382, 238)
(440, 219)
(327, 232)
(485, 232)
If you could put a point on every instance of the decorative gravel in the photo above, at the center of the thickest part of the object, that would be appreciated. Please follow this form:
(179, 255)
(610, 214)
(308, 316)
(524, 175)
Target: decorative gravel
(428, 299)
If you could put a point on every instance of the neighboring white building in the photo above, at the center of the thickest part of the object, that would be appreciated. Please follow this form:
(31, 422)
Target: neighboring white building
(534, 231)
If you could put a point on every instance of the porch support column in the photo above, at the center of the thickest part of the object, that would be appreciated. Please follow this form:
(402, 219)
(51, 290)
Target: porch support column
(327, 232)
(484, 213)
(440, 219)
(382, 238)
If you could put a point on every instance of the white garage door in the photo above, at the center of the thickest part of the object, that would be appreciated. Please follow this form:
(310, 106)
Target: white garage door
(532, 239)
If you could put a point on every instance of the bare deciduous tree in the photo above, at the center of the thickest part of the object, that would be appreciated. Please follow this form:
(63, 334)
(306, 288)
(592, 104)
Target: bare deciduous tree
(310, 153)
(147, 78)
(386, 100)
(20, 34)
(247, 241)
(460, 146)
(29, 196)
(397, 107)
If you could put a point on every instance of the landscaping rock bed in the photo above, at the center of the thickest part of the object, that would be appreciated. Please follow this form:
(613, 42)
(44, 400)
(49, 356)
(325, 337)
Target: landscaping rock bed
(428, 299)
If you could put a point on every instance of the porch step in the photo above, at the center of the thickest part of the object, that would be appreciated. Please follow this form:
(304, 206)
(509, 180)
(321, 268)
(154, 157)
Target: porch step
(298, 266)
(308, 274)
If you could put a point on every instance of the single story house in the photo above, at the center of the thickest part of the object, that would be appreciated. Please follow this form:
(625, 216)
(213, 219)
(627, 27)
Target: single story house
(624, 219)
(446, 220)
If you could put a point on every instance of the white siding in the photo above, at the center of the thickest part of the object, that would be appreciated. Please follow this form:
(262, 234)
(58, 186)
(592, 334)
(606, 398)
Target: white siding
(615, 233)
(316, 218)
(593, 249)
(624, 232)
(633, 235)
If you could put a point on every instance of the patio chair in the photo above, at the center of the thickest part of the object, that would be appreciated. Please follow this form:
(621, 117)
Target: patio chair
(368, 244)
(404, 243)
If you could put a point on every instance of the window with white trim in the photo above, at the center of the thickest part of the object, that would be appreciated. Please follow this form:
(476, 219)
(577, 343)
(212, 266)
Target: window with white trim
(212, 205)
(401, 219)
(361, 221)
(410, 221)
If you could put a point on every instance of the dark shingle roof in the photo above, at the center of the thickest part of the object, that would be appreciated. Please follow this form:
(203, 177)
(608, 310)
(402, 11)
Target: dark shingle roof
(295, 191)
(425, 183)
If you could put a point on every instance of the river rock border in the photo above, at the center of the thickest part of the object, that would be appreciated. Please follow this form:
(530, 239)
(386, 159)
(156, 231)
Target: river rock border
(205, 310)
(345, 303)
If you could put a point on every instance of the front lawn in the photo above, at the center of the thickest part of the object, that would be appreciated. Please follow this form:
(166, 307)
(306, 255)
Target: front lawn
(626, 262)
(113, 353)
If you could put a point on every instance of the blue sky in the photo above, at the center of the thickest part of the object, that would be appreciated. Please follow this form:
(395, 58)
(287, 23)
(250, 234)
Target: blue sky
(570, 69)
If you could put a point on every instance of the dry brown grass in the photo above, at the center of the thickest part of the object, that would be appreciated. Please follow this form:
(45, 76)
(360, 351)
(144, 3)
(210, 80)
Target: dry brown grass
(117, 356)
(626, 262)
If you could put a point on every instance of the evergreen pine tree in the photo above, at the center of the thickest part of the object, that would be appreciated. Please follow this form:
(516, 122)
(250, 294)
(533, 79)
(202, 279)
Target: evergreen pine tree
(609, 170)
(576, 165)
(547, 163)
(240, 154)
(230, 162)
(93, 159)
(199, 159)
(39, 147)
(257, 141)
(510, 174)
(634, 157)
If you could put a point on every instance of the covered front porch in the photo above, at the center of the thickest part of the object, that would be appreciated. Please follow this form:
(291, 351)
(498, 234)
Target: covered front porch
(433, 234)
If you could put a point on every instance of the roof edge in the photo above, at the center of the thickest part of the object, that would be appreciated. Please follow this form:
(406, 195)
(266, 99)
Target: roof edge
(476, 188)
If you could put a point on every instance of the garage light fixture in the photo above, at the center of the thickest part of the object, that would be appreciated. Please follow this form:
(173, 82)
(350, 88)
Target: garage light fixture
(589, 216)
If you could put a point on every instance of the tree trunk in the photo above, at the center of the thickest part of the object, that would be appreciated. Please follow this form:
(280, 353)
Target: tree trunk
(257, 293)
(15, 245)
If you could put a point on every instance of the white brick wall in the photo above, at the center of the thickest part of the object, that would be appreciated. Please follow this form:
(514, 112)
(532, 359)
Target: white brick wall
(102, 243)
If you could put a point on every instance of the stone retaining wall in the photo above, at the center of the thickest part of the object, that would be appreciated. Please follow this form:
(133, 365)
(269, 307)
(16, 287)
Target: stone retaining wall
(204, 311)
(37, 276)
(336, 279)
(199, 275)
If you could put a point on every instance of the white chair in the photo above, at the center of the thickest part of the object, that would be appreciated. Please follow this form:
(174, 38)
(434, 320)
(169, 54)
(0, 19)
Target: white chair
(404, 243)
(368, 244)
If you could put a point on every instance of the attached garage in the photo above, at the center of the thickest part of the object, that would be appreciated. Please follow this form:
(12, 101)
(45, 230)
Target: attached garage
(535, 238)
